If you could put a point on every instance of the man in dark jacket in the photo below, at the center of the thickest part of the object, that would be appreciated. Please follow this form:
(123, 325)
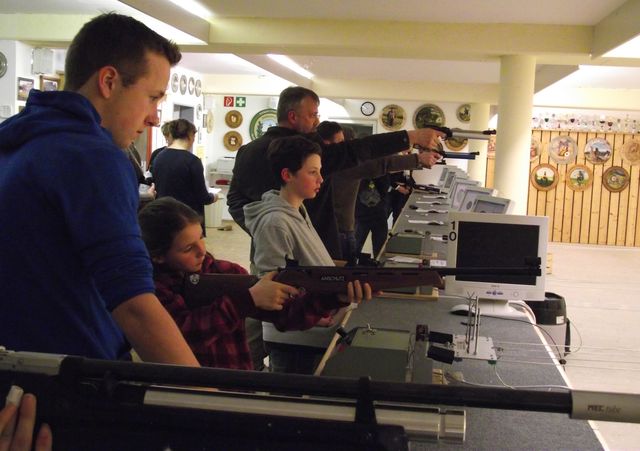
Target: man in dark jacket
(298, 114)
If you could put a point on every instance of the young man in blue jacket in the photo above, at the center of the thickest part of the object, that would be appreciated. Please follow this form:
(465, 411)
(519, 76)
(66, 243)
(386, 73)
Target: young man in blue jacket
(75, 277)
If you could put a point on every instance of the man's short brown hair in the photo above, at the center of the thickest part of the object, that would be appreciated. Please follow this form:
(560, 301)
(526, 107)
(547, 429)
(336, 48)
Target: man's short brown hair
(114, 40)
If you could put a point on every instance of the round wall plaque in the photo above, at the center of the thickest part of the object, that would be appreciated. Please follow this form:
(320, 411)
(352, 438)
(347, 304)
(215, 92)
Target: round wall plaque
(615, 179)
(261, 122)
(233, 118)
(563, 149)
(428, 114)
(544, 177)
(579, 177)
(392, 117)
(232, 140)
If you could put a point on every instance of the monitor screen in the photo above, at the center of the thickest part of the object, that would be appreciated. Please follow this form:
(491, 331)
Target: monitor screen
(456, 194)
(443, 176)
(452, 175)
(470, 195)
(483, 240)
(489, 204)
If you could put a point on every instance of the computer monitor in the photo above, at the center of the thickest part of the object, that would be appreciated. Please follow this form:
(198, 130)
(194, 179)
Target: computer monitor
(452, 176)
(443, 176)
(485, 240)
(456, 193)
(470, 195)
(491, 204)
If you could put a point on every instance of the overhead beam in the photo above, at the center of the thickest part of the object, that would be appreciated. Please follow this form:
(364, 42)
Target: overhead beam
(380, 39)
(58, 29)
(406, 90)
(617, 28)
(173, 15)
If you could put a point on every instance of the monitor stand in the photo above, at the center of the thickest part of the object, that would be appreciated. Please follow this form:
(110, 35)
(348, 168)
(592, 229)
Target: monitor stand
(496, 308)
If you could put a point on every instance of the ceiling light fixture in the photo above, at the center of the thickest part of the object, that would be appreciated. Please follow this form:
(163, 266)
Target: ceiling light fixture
(194, 7)
(292, 65)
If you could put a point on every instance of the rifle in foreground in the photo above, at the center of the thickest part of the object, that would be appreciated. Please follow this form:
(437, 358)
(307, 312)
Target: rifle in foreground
(98, 404)
(200, 289)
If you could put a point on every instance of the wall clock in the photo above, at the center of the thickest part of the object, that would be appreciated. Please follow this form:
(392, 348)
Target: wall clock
(367, 108)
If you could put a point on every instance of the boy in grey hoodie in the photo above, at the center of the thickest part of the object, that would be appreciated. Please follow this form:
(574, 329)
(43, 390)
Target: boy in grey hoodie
(281, 229)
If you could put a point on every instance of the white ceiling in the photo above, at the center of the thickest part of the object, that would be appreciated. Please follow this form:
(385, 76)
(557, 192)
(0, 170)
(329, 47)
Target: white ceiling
(327, 63)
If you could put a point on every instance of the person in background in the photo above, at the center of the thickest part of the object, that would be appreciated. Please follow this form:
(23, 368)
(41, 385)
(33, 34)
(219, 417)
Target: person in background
(371, 213)
(167, 137)
(178, 173)
(346, 184)
(297, 114)
(282, 230)
(76, 276)
(399, 192)
(216, 332)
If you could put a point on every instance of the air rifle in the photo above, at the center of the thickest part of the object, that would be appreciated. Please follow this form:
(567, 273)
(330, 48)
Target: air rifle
(99, 404)
(201, 289)
(461, 134)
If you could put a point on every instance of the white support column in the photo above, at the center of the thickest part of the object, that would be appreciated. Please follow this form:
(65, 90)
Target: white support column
(479, 121)
(517, 76)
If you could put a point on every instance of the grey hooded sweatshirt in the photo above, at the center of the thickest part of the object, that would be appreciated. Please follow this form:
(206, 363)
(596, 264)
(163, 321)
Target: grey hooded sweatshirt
(280, 231)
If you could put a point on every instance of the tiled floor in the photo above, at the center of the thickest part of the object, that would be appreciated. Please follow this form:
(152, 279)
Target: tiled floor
(601, 288)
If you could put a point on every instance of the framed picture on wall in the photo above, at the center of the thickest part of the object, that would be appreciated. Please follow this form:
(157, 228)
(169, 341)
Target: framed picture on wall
(49, 83)
(24, 86)
(579, 177)
(544, 177)
(615, 179)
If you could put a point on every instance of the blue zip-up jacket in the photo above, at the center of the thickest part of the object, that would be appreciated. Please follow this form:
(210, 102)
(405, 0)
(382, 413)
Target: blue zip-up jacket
(70, 245)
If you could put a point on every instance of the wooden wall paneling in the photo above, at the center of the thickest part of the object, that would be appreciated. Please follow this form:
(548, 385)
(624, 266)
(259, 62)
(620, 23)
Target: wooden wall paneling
(596, 197)
(623, 207)
(558, 194)
(633, 234)
(532, 199)
(587, 195)
(595, 215)
(576, 221)
(614, 198)
(491, 167)
(546, 199)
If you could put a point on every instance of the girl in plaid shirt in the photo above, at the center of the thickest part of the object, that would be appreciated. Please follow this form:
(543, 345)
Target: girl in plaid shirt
(216, 333)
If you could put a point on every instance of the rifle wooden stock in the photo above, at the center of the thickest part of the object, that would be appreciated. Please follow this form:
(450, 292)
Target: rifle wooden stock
(201, 289)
